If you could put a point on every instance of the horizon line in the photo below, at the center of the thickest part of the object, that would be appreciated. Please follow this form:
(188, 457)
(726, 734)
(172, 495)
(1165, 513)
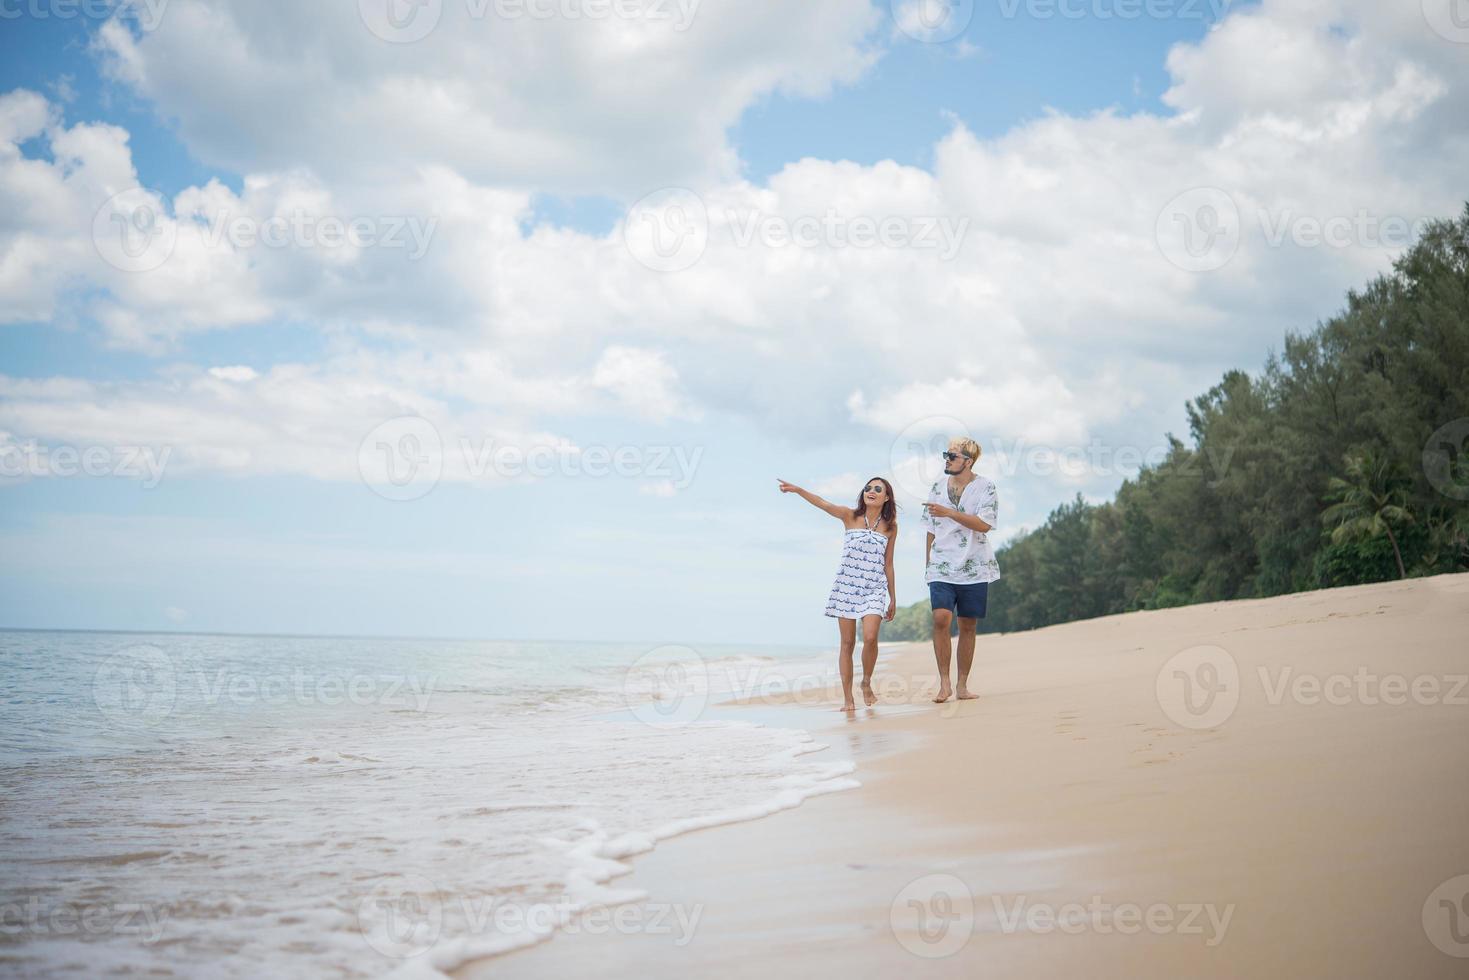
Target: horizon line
(383, 636)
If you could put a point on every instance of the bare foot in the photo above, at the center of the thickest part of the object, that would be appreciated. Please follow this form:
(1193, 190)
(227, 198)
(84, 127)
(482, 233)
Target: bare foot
(943, 694)
(964, 694)
(868, 695)
(849, 706)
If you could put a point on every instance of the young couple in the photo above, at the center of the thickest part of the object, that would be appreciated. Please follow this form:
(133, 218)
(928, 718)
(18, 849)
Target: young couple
(960, 512)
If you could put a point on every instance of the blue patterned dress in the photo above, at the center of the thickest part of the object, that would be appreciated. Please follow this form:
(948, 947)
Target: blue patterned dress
(861, 587)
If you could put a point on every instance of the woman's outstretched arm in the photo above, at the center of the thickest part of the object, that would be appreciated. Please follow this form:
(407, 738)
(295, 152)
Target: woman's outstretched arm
(835, 510)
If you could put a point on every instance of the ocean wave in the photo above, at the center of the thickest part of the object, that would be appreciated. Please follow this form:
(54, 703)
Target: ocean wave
(267, 841)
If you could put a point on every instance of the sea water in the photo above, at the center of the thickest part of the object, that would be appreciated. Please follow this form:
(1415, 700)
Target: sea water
(208, 805)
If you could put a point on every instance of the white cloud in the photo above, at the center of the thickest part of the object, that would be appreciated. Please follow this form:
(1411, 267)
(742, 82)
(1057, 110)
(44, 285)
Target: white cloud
(585, 104)
(641, 380)
(1037, 407)
(1323, 68)
(838, 488)
(298, 419)
(236, 372)
(1059, 318)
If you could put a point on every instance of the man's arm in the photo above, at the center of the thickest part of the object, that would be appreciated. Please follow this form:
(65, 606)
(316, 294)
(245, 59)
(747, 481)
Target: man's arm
(971, 522)
(960, 518)
(928, 549)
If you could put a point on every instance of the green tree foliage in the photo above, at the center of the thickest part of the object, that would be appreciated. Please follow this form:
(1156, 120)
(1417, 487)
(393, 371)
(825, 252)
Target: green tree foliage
(1314, 473)
(1369, 502)
(913, 622)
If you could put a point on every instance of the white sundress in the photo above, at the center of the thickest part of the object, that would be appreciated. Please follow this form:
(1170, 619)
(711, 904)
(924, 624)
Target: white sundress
(861, 587)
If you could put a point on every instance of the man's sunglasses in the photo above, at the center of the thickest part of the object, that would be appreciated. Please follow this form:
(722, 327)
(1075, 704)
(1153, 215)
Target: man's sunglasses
(953, 456)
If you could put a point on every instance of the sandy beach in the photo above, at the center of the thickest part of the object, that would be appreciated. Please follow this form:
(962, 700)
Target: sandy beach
(1257, 788)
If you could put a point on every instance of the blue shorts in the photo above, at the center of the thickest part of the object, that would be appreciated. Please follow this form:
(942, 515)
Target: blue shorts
(964, 601)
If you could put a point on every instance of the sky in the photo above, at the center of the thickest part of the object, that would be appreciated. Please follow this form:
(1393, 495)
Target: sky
(502, 318)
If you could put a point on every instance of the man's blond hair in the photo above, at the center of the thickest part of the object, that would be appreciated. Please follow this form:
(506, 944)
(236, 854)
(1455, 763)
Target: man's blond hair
(968, 447)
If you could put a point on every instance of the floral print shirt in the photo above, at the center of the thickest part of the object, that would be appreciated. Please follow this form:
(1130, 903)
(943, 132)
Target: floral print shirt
(960, 556)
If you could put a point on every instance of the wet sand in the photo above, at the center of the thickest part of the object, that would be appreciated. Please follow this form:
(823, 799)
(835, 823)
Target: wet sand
(1261, 788)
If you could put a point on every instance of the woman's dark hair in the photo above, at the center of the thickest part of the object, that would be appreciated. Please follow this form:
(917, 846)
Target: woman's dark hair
(889, 506)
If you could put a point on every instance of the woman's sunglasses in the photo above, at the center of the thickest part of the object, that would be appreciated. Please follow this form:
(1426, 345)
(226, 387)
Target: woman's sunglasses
(874, 488)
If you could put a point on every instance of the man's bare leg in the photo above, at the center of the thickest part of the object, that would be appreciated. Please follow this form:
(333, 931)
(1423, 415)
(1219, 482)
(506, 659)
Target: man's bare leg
(943, 619)
(967, 629)
(870, 626)
(848, 629)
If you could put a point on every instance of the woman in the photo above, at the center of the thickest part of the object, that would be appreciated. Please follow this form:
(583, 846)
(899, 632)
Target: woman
(864, 585)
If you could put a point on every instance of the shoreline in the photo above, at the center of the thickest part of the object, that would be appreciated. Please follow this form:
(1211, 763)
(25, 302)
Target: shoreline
(1064, 821)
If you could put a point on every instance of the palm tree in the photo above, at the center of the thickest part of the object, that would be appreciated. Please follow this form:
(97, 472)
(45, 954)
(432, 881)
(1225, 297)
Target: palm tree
(1448, 537)
(1368, 502)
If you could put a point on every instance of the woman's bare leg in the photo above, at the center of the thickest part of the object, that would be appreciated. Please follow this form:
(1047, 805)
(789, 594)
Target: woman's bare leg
(848, 629)
(870, 626)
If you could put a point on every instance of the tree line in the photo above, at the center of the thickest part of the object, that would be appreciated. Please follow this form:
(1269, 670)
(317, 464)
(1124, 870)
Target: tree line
(1345, 461)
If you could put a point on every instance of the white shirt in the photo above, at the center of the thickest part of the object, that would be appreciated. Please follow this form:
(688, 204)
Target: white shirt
(960, 556)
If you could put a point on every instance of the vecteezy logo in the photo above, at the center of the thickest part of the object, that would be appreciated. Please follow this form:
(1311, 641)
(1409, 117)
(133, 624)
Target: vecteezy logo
(916, 456)
(131, 232)
(402, 916)
(667, 230)
(1199, 230)
(1448, 18)
(1446, 917)
(932, 21)
(401, 21)
(1199, 687)
(667, 687)
(1446, 459)
(402, 459)
(933, 916)
(135, 687)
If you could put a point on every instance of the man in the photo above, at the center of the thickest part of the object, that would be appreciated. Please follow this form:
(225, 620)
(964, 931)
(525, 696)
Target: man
(960, 512)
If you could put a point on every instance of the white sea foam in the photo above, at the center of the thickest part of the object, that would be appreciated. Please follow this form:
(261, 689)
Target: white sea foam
(349, 839)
